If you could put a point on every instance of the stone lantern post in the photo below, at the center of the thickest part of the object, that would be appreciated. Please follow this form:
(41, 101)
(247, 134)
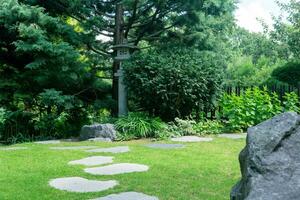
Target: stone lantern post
(123, 53)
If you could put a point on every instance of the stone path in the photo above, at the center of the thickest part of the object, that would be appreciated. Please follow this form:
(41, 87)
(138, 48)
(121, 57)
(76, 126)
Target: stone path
(13, 148)
(74, 148)
(233, 136)
(191, 139)
(128, 196)
(121, 168)
(93, 160)
(120, 149)
(165, 146)
(78, 184)
(48, 142)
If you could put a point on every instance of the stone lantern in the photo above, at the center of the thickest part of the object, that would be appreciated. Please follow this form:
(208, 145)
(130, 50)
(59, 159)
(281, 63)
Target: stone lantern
(123, 53)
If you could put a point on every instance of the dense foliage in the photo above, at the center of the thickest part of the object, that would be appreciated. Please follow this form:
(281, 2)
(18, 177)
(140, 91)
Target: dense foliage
(56, 57)
(254, 106)
(44, 83)
(145, 22)
(174, 82)
(244, 72)
(289, 73)
(287, 30)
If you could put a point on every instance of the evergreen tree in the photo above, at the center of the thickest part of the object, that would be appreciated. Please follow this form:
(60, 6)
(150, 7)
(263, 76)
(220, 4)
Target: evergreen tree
(42, 73)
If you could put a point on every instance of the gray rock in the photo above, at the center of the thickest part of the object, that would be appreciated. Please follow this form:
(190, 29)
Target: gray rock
(78, 184)
(128, 196)
(98, 131)
(270, 162)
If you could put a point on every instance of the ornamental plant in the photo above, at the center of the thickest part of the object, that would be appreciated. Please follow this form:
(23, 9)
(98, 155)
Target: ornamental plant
(250, 108)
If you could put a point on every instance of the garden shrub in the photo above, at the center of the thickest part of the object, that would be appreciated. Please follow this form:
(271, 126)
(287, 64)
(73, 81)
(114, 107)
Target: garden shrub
(139, 125)
(182, 127)
(174, 82)
(289, 73)
(291, 102)
(254, 106)
(208, 127)
(18, 126)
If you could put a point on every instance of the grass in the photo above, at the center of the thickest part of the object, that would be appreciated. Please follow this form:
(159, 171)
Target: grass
(201, 171)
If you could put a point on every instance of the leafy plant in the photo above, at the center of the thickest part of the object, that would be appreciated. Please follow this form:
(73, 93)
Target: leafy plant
(139, 125)
(182, 127)
(208, 127)
(250, 108)
(291, 102)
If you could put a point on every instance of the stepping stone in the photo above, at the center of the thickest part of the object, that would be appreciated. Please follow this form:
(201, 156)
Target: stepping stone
(128, 196)
(114, 169)
(233, 136)
(191, 139)
(121, 149)
(48, 142)
(93, 160)
(13, 148)
(78, 184)
(100, 139)
(73, 147)
(165, 146)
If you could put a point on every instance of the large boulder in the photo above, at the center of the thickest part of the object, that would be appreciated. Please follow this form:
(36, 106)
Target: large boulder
(270, 162)
(102, 132)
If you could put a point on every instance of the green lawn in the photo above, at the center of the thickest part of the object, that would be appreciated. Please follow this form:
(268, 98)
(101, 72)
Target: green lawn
(201, 171)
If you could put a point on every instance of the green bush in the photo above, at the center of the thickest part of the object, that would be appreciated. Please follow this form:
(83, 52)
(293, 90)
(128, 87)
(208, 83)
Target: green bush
(208, 127)
(180, 127)
(250, 108)
(174, 82)
(291, 102)
(139, 125)
(289, 73)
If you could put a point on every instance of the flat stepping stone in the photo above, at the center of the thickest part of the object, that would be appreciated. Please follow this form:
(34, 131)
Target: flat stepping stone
(233, 136)
(78, 184)
(128, 196)
(165, 146)
(120, 149)
(100, 139)
(92, 161)
(73, 147)
(13, 148)
(114, 169)
(48, 142)
(191, 139)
